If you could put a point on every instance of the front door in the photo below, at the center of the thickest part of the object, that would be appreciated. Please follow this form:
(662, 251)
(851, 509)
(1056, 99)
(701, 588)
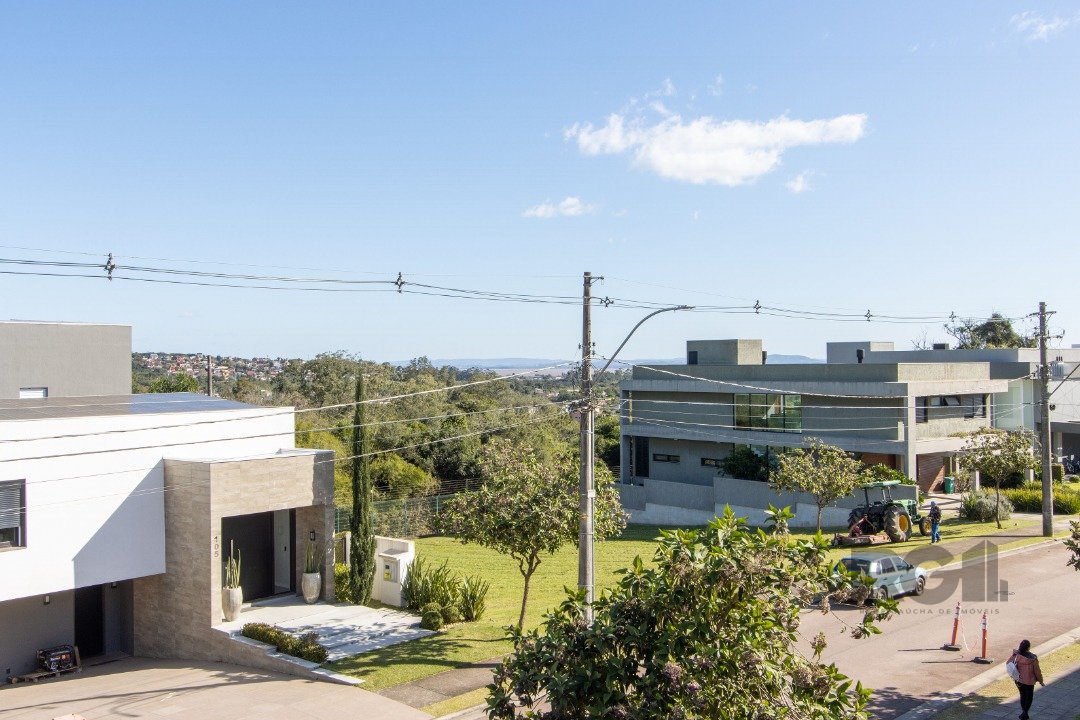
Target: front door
(89, 621)
(253, 537)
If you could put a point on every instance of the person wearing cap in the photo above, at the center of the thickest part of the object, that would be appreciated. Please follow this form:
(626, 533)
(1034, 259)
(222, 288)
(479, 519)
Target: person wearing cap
(935, 522)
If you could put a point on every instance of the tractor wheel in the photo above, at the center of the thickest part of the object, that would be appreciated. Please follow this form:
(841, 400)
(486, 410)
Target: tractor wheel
(924, 525)
(854, 516)
(897, 523)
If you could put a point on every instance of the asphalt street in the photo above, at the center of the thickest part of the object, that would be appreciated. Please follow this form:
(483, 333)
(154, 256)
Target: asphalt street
(1030, 594)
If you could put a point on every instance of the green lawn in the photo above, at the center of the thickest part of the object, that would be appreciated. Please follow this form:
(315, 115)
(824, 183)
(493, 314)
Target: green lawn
(463, 644)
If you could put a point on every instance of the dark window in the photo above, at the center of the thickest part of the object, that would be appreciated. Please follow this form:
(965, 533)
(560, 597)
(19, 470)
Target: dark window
(641, 457)
(887, 566)
(691, 357)
(975, 406)
(921, 409)
(12, 514)
(664, 457)
(710, 462)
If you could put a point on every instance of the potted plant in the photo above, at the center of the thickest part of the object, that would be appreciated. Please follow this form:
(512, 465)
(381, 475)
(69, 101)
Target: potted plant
(311, 580)
(232, 596)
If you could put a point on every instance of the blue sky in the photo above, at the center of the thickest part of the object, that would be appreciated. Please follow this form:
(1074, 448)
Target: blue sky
(918, 159)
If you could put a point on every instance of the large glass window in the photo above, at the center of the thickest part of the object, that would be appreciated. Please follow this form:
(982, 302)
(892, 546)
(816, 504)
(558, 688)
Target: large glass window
(765, 411)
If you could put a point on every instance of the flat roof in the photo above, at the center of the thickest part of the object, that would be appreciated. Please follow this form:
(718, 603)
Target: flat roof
(100, 405)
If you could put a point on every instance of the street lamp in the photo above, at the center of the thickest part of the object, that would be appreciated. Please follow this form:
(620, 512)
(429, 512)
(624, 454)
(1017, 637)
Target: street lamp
(584, 412)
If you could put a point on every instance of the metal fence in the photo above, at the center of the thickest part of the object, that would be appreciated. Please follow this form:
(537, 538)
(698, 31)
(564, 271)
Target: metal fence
(404, 517)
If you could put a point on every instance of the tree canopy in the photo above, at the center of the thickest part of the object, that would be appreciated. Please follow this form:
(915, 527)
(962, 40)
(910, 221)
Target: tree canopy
(175, 383)
(527, 506)
(995, 332)
(710, 632)
(824, 471)
(997, 454)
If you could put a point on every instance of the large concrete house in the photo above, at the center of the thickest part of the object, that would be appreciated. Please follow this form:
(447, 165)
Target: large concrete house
(679, 421)
(117, 512)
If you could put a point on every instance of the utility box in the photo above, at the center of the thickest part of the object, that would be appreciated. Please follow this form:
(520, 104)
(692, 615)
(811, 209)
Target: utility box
(393, 558)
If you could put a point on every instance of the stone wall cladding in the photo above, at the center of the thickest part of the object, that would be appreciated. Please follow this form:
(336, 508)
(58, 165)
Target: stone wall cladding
(175, 612)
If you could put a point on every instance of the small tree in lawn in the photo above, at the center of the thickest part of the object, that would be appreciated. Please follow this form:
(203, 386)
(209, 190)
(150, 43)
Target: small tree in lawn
(527, 508)
(361, 527)
(824, 471)
(998, 454)
(1073, 543)
(710, 632)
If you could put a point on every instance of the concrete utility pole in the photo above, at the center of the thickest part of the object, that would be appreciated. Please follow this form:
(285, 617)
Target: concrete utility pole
(210, 375)
(1044, 429)
(587, 486)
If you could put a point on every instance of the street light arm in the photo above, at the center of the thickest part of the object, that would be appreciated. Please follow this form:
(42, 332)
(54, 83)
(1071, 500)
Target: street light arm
(634, 330)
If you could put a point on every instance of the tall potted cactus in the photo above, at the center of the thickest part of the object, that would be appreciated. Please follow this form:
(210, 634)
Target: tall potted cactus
(232, 595)
(311, 580)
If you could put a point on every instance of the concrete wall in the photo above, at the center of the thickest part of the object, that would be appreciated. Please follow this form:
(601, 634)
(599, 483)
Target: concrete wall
(95, 501)
(69, 359)
(27, 625)
(725, 352)
(174, 612)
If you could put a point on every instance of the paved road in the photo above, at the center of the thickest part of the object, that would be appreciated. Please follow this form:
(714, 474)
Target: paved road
(152, 689)
(1030, 594)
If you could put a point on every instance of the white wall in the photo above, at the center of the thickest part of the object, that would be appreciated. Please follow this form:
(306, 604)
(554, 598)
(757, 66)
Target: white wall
(95, 509)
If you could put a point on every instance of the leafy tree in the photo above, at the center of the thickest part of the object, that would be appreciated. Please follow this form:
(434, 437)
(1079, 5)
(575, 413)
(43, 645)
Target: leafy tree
(608, 434)
(824, 471)
(313, 432)
(528, 507)
(995, 332)
(884, 473)
(997, 454)
(710, 633)
(400, 478)
(175, 383)
(362, 544)
(742, 462)
(1073, 543)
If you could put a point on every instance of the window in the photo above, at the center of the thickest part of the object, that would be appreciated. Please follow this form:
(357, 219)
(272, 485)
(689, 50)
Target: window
(12, 514)
(710, 462)
(765, 411)
(922, 412)
(975, 406)
(691, 357)
(663, 457)
(641, 457)
(886, 566)
(33, 393)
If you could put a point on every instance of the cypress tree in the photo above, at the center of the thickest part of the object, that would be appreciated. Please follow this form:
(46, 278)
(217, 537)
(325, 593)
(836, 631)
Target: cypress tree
(362, 547)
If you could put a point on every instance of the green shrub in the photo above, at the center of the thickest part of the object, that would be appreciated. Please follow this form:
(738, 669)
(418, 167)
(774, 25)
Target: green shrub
(305, 646)
(451, 614)
(980, 507)
(883, 473)
(474, 590)
(423, 585)
(1057, 472)
(342, 586)
(431, 617)
(1029, 499)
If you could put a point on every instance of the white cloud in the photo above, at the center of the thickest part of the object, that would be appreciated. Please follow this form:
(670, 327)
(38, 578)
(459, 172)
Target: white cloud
(800, 183)
(569, 207)
(1035, 27)
(705, 150)
(667, 88)
(716, 87)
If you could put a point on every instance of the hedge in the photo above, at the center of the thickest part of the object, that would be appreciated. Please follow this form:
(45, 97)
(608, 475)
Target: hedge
(1029, 499)
(304, 646)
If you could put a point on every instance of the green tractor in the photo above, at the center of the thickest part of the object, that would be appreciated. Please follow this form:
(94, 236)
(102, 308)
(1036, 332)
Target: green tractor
(895, 518)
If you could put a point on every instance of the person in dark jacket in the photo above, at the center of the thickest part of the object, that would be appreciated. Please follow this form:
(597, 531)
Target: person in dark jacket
(1027, 664)
(935, 522)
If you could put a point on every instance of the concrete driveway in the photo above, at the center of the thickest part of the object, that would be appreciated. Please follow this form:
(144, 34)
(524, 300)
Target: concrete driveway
(145, 688)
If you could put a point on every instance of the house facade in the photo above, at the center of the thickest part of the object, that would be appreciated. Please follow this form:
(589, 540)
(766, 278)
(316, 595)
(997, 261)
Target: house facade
(56, 359)
(118, 511)
(678, 422)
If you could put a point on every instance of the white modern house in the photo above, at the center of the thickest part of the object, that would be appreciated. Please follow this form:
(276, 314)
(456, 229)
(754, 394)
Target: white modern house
(117, 511)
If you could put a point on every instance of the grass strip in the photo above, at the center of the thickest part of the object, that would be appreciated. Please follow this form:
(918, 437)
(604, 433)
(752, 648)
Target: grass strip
(458, 703)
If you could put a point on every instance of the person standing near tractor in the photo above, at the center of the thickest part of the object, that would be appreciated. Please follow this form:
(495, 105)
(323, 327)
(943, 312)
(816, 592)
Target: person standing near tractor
(935, 522)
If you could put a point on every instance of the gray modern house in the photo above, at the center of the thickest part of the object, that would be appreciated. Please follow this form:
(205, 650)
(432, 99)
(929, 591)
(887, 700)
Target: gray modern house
(57, 359)
(679, 421)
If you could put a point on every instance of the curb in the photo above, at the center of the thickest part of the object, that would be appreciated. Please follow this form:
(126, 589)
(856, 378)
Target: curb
(938, 704)
(1004, 553)
(460, 714)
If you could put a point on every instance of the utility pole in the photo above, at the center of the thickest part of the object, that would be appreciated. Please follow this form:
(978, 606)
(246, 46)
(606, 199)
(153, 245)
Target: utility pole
(210, 375)
(1044, 429)
(587, 487)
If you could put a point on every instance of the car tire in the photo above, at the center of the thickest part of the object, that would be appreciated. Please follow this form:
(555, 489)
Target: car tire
(920, 585)
(881, 594)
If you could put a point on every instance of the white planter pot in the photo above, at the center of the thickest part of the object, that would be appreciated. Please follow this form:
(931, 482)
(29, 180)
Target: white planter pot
(311, 586)
(231, 600)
